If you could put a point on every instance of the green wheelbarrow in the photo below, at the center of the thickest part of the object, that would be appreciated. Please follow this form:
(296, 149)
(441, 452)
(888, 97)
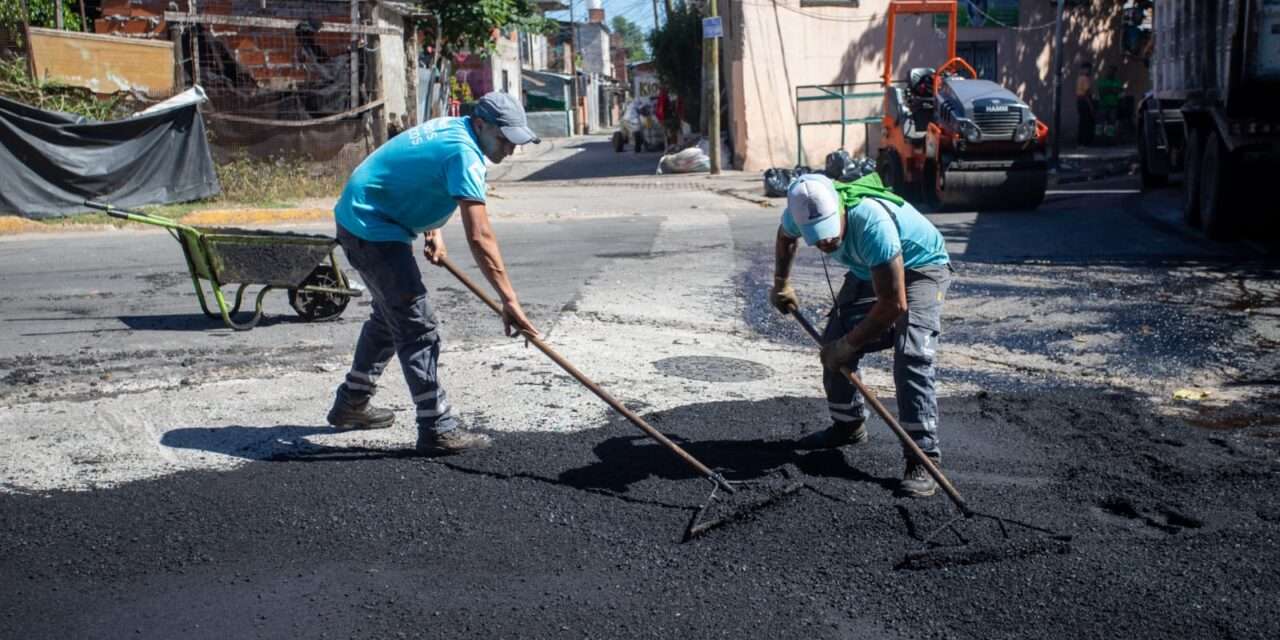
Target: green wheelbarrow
(318, 291)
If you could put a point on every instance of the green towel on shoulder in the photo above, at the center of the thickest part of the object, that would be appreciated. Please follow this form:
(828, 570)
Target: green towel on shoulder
(852, 193)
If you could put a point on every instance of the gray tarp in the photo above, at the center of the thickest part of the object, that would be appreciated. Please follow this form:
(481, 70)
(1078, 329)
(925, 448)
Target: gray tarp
(51, 162)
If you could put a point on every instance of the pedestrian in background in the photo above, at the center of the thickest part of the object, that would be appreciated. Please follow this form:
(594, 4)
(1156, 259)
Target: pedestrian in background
(1084, 105)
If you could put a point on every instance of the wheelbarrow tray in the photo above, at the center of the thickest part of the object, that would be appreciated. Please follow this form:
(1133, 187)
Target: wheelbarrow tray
(276, 258)
(272, 259)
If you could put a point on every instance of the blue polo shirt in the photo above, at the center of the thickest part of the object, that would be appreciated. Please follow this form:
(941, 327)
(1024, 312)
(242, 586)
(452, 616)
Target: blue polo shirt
(412, 183)
(872, 238)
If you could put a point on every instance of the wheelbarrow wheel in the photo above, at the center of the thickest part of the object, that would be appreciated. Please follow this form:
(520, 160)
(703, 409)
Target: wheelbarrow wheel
(318, 306)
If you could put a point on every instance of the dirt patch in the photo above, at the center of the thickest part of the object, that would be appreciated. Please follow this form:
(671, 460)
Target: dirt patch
(549, 535)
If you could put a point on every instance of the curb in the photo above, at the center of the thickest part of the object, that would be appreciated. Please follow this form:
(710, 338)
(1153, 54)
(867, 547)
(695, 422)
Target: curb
(18, 225)
(223, 217)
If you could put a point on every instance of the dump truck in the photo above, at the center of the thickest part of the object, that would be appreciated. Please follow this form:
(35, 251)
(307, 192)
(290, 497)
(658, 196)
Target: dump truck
(953, 140)
(1211, 113)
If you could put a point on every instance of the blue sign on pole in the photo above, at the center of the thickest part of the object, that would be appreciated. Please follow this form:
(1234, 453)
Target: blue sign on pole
(712, 28)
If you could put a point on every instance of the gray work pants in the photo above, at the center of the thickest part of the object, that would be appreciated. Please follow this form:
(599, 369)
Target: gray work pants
(914, 338)
(401, 324)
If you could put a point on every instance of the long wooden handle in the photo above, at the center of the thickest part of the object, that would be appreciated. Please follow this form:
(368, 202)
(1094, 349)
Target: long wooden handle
(595, 388)
(902, 434)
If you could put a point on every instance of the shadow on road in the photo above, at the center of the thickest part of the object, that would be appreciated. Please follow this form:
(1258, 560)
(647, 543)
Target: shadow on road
(626, 460)
(197, 321)
(586, 159)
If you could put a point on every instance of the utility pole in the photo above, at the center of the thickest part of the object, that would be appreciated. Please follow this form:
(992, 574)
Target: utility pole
(670, 9)
(1057, 86)
(655, 14)
(714, 124)
(57, 19)
(573, 70)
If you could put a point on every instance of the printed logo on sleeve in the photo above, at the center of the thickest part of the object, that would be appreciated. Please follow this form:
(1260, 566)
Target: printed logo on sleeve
(426, 131)
(477, 171)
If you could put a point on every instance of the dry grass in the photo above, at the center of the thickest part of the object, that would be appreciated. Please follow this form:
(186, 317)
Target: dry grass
(16, 83)
(274, 183)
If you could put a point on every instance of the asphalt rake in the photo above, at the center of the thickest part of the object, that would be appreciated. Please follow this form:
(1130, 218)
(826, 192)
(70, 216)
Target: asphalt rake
(708, 515)
(932, 551)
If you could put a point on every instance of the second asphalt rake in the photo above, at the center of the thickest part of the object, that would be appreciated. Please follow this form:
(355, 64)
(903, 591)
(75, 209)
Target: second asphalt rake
(696, 527)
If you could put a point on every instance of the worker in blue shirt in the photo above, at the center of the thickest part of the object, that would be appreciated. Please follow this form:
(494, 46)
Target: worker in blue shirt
(408, 187)
(892, 296)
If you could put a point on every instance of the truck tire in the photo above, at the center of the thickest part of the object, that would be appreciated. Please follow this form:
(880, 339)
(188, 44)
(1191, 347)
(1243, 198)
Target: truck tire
(619, 142)
(1218, 214)
(1145, 146)
(1191, 177)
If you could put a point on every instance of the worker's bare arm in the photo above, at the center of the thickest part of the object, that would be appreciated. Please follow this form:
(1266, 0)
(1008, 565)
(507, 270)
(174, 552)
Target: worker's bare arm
(890, 283)
(785, 254)
(484, 248)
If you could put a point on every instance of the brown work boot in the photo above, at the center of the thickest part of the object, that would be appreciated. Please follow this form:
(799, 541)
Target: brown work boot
(916, 481)
(346, 415)
(838, 435)
(450, 442)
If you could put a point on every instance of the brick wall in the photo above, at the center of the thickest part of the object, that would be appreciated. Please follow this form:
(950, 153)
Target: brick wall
(271, 57)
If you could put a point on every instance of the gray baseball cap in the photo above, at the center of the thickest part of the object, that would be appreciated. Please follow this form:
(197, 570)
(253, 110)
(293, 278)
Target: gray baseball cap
(501, 109)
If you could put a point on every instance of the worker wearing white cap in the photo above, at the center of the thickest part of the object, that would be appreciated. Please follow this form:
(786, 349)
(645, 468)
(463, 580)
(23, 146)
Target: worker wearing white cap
(892, 296)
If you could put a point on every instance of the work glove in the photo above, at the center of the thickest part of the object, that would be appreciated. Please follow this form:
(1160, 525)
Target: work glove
(783, 297)
(838, 353)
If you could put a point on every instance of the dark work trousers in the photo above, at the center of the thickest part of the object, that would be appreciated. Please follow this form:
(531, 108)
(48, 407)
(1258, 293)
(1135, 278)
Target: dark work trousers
(914, 339)
(402, 324)
(1087, 122)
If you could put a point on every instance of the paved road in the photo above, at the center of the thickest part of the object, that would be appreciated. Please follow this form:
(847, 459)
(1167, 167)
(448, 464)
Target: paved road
(208, 499)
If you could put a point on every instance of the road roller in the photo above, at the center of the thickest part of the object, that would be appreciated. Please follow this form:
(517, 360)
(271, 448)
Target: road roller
(954, 141)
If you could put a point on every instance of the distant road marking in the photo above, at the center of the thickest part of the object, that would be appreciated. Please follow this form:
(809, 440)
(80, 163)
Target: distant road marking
(1092, 192)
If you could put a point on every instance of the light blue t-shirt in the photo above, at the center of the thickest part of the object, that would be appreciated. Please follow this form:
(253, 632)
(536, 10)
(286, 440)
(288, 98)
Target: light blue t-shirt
(412, 183)
(872, 239)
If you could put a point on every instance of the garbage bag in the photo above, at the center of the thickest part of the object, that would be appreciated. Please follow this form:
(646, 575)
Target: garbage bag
(857, 168)
(691, 160)
(776, 181)
(695, 159)
(837, 162)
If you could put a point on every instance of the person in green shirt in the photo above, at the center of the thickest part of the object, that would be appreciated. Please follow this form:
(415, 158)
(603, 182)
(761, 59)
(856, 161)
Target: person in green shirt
(1110, 88)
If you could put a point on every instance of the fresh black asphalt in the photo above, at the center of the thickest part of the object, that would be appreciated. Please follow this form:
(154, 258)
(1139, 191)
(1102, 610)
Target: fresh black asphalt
(578, 535)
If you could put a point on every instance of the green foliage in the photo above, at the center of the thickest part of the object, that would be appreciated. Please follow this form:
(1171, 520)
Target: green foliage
(633, 39)
(460, 91)
(469, 26)
(43, 14)
(677, 56)
(17, 84)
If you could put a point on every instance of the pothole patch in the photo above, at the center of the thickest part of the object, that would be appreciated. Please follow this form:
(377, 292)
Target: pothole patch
(713, 369)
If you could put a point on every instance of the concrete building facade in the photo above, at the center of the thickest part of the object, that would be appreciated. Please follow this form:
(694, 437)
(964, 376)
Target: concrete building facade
(771, 48)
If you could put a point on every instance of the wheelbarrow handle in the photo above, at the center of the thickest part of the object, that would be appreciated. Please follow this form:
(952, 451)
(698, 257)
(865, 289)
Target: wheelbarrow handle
(106, 208)
(133, 216)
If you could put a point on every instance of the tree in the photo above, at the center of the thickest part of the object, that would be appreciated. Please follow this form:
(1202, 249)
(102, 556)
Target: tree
(43, 13)
(677, 56)
(471, 26)
(633, 39)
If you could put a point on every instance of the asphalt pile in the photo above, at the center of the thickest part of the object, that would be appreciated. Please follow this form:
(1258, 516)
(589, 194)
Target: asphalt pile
(578, 535)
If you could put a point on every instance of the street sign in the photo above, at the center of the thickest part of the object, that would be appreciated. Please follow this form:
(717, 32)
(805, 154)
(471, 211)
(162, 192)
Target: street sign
(712, 28)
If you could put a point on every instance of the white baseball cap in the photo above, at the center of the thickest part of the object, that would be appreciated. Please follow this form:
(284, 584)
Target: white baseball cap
(815, 207)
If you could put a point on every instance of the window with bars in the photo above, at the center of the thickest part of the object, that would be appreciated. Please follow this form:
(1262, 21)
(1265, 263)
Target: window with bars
(982, 56)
